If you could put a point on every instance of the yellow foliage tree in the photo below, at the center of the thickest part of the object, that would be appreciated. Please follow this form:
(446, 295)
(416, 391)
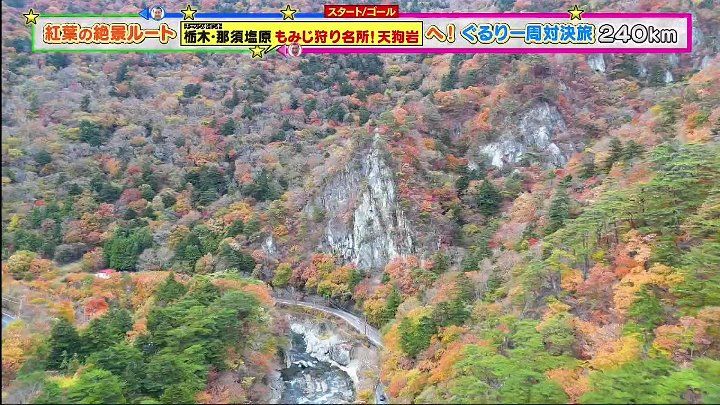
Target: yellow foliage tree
(416, 380)
(65, 310)
(626, 290)
(571, 279)
(574, 382)
(617, 353)
(17, 345)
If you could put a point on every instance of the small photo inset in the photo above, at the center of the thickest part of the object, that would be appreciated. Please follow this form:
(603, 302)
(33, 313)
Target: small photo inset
(294, 50)
(157, 13)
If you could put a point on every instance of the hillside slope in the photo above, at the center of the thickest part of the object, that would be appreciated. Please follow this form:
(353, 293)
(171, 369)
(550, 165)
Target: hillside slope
(536, 228)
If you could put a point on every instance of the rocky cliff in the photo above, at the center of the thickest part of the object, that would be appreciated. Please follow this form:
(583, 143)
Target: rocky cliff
(534, 136)
(364, 224)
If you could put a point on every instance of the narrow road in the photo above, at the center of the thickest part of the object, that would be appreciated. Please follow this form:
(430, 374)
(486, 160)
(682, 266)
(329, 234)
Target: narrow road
(6, 319)
(358, 324)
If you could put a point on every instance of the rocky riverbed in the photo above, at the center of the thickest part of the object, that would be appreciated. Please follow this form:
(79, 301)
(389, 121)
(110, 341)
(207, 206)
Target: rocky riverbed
(309, 380)
(324, 363)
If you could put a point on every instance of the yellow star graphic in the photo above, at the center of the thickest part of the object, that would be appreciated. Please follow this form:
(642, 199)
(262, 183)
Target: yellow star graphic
(257, 51)
(288, 13)
(189, 13)
(31, 17)
(575, 13)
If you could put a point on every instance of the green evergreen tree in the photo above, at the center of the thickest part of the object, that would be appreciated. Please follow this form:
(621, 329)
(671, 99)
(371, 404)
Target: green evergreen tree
(209, 240)
(97, 386)
(465, 289)
(168, 200)
(189, 250)
(336, 112)
(346, 88)
(558, 335)
(170, 290)
(228, 128)
(248, 111)
(123, 249)
(191, 90)
(392, 303)
(415, 336)
(236, 228)
(559, 211)
(588, 169)
(51, 393)
(92, 133)
(700, 379)
(407, 337)
(116, 358)
(237, 259)
(441, 263)
(309, 106)
(105, 331)
(488, 199)
(505, 5)
(109, 192)
(646, 312)
(75, 189)
(191, 254)
(700, 286)
(253, 225)
(43, 157)
(64, 344)
(203, 290)
(451, 312)
(234, 100)
(513, 186)
(147, 191)
(122, 72)
(183, 393)
(363, 116)
(449, 81)
(294, 104)
(166, 370)
(634, 382)
(208, 183)
(616, 153)
(461, 184)
(261, 188)
(632, 150)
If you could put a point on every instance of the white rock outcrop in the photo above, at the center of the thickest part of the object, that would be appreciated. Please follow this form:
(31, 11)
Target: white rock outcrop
(535, 133)
(328, 346)
(668, 77)
(364, 222)
(697, 34)
(596, 61)
(269, 247)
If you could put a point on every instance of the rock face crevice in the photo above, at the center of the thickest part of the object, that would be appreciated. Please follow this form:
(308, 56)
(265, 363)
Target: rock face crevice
(364, 223)
(596, 61)
(535, 135)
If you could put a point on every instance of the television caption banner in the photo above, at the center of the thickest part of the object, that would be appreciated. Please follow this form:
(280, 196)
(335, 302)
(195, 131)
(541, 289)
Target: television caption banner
(407, 33)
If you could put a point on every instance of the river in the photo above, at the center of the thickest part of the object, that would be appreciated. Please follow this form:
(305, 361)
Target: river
(6, 319)
(308, 380)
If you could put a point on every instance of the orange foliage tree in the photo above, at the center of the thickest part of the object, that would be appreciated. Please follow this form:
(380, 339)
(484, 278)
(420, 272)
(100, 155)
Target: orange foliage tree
(96, 307)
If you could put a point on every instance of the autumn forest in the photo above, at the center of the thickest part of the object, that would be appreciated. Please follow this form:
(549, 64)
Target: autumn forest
(519, 228)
